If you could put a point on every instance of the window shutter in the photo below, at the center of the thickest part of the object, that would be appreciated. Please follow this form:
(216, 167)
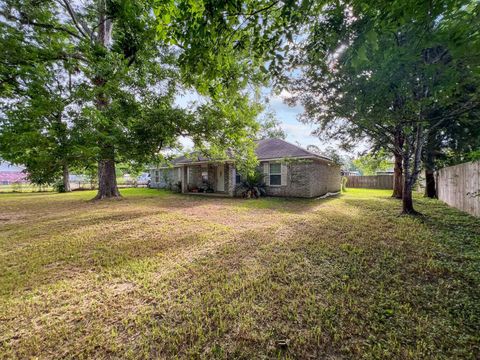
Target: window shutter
(266, 171)
(284, 174)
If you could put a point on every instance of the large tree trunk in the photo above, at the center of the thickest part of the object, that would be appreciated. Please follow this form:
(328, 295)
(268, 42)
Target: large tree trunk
(397, 177)
(397, 171)
(107, 180)
(66, 180)
(410, 173)
(430, 186)
(407, 200)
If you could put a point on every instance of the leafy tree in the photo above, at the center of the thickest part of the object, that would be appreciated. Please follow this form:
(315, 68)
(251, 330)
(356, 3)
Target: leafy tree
(129, 62)
(456, 141)
(103, 51)
(381, 71)
(369, 164)
(270, 126)
(36, 116)
(329, 152)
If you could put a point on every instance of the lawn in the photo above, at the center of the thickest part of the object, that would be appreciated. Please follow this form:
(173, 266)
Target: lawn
(160, 275)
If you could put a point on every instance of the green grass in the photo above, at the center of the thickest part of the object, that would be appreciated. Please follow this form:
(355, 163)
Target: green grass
(24, 188)
(160, 275)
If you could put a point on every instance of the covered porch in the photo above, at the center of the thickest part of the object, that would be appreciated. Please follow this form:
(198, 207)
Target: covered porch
(208, 178)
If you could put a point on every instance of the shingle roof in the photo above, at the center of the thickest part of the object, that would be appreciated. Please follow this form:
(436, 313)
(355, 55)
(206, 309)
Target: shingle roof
(266, 149)
(193, 157)
(278, 148)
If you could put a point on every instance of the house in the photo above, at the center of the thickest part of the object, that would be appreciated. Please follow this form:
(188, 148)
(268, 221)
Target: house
(288, 170)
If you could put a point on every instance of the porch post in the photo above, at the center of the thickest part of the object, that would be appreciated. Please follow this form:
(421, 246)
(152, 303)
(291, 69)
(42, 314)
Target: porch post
(231, 179)
(184, 179)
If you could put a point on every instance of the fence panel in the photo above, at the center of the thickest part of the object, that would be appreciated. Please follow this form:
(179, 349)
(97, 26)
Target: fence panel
(370, 182)
(459, 186)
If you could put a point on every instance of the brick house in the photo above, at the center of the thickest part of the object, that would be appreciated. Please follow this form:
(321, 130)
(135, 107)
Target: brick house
(289, 171)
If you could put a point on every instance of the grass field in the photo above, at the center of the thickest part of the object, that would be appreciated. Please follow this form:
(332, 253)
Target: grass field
(159, 275)
(24, 188)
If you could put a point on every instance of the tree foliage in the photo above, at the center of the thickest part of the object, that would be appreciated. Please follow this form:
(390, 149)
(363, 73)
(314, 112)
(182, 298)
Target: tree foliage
(125, 62)
(270, 126)
(369, 164)
(396, 70)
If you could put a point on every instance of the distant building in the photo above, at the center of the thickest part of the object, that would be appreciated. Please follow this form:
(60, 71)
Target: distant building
(385, 172)
(10, 174)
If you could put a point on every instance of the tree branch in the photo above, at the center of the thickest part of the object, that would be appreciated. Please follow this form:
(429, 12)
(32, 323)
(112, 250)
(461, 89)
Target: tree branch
(82, 28)
(25, 20)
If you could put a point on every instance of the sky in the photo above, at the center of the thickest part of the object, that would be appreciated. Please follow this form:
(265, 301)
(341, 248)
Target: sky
(5, 166)
(297, 133)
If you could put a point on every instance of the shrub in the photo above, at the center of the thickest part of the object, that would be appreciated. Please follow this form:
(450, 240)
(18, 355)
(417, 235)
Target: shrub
(58, 186)
(253, 186)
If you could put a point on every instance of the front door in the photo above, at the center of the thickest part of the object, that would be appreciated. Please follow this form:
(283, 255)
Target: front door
(221, 178)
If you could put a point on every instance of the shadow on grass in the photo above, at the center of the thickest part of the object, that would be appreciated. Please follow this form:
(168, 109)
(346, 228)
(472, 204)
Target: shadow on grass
(78, 237)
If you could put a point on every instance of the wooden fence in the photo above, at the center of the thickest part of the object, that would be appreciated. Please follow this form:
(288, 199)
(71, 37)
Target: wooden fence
(459, 186)
(370, 182)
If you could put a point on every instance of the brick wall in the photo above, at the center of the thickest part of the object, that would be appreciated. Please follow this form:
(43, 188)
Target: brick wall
(308, 178)
(305, 178)
(324, 177)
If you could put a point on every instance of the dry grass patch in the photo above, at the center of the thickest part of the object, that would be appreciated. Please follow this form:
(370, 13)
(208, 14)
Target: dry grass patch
(160, 275)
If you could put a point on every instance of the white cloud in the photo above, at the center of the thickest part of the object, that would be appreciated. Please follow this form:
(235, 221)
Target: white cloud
(186, 142)
(301, 133)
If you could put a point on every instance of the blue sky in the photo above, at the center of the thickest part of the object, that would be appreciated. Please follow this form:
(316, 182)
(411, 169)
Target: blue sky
(297, 132)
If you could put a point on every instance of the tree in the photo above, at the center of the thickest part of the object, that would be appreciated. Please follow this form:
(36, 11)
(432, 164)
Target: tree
(98, 57)
(37, 130)
(130, 59)
(369, 164)
(331, 153)
(452, 143)
(35, 114)
(270, 126)
(379, 71)
(331, 91)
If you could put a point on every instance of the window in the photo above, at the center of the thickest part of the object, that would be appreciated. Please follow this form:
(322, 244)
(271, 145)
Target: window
(275, 174)
(238, 178)
(157, 176)
(204, 176)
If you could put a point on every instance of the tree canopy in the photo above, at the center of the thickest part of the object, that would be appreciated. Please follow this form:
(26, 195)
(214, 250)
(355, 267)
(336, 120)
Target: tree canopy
(393, 71)
(125, 62)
